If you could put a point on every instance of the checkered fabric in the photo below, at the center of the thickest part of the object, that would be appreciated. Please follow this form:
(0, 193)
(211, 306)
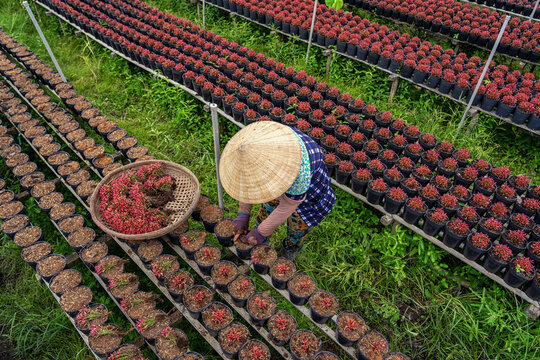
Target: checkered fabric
(320, 197)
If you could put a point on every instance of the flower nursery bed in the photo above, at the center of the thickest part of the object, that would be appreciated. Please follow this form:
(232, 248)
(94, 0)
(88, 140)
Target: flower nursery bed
(443, 18)
(523, 8)
(465, 163)
(244, 313)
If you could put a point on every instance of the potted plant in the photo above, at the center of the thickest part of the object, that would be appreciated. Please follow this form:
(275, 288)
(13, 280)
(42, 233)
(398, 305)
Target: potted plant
(515, 239)
(376, 167)
(520, 183)
(367, 127)
(240, 289)
(329, 143)
(384, 119)
(342, 132)
(281, 271)
(397, 143)
(196, 298)
(359, 159)
(497, 258)
(466, 176)
(254, 349)
(343, 172)
(260, 307)
(507, 106)
(372, 148)
(344, 151)
(482, 166)
(232, 337)
(506, 194)
(262, 256)
(447, 167)
(491, 98)
(485, 185)
(481, 202)
(456, 231)
(360, 180)
(317, 134)
(304, 344)
(434, 221)
(393, 177)
(445, 149)
(281, 326)
(350, 327)
(520, 271)
(499, 211)
(533, 251)
(476, 245)
(520, 222)
(331, 161)
(250, 116)
(372, 346)
(397, 126)
(300, 288)
(523, 111)
(449, 204)
(500, 174)
(206, 257)
(405, 165)
(323, 306)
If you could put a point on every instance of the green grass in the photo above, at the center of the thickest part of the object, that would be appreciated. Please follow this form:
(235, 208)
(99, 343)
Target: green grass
(371, 269)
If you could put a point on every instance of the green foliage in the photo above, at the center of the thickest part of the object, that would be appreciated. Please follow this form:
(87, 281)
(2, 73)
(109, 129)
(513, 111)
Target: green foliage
(336, 4)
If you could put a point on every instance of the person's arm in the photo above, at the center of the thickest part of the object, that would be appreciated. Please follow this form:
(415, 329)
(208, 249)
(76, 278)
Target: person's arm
(280, 214)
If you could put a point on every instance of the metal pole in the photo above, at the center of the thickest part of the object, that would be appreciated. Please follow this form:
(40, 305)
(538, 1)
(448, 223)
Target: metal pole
(203, 15)
(311, 30)
(534, 10)
(486, 67)
(217, 151)
(36, 25)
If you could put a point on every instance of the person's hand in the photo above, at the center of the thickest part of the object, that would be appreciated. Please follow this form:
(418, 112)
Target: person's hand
(253, 238)
(240, 224)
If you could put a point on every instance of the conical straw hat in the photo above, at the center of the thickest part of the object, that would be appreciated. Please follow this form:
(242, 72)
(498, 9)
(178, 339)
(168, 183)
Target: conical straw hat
(260, 162)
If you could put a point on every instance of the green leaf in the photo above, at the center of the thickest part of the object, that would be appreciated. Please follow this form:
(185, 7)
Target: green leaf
(336, 4)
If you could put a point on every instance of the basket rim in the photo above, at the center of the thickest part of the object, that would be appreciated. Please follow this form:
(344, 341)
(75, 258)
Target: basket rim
(94, 200)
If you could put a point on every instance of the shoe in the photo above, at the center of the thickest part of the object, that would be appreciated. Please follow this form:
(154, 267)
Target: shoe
(288, 254)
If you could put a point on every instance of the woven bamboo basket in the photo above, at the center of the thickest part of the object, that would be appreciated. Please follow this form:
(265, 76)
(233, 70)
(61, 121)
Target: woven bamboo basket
(186, 196)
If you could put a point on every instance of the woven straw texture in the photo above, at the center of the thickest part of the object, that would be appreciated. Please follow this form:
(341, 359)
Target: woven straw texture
(260, 162)
(186, 196)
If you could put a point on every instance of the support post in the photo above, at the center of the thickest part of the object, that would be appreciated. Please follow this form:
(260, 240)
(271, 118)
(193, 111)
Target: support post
(475, 114)
(311, 29)
(329, 55)
(217, 150)
(43, 39)
(393, 90)
(486, 67)
(534, 10)
(203, 13)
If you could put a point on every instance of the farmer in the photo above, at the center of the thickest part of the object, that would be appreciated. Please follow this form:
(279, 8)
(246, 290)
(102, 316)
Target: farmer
(283, 169)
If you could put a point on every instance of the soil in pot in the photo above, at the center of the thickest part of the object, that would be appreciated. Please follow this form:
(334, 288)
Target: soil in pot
(281, 271)
(68, 168)
(262, 257)
(151, 325)
(6, 196)
(129, 352)
(49, 149)
(324, 305)
(192, 240)
(207, 256)
(171, 343)
(93, 152)
(61, 210)
(139, 304)
(42, 140)
(305, 344)
(106, 338)
(197, 297)
(216, 316)
(104, 160)
(93, 252)
(325, 355)
(32, 179)
(78, 177)
(50, 265)
(65, 280)
(373, 346)
(5, 141)
(136, 152)
(282, 325)
(179, 281)
(241, 288)
(149, 250)
(96, 120)
(42, 189)
(350, 327)
(126, 143)
(233, 337)
(74, 299)
(18, 159)
(85, 143)
(116, 135)
(224, 230)
(111, 168)
(223, 273)
(71, 223)
(302, 287)
(86, 188)
(14, 224)
(90, 113)
(190, 355)
(24, 169)
(123, 285)
(203, 202)
(261, 305)
(254, 349)
(58, 159)
(10, 209)
(76, 135)
(243, 247)
(110, 266)
(34, 132)
(48, 201)
(163, 265)
(211, 215)
(27, 236)
(91, 315)
(105, 126)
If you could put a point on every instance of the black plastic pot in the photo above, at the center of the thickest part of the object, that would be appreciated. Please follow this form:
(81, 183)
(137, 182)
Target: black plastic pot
(205, 269)
(360, 353)
(412, 216)
(533, 290)
(493, 265)
(359, 186)
(471, 252)
(244, 254)
(374, 197)
(297, 300)
(237, 301)
(515, 249)
(179, 297)
(513, 278)
(392, 206)
(340, 337)
(258, 321)
(431, 228)
(451, 239)
(488, 104)
(343, 177)
(504, 110)
(190, 254)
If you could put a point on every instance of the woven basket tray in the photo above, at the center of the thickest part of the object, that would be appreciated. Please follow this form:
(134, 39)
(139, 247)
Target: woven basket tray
(186, 196)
